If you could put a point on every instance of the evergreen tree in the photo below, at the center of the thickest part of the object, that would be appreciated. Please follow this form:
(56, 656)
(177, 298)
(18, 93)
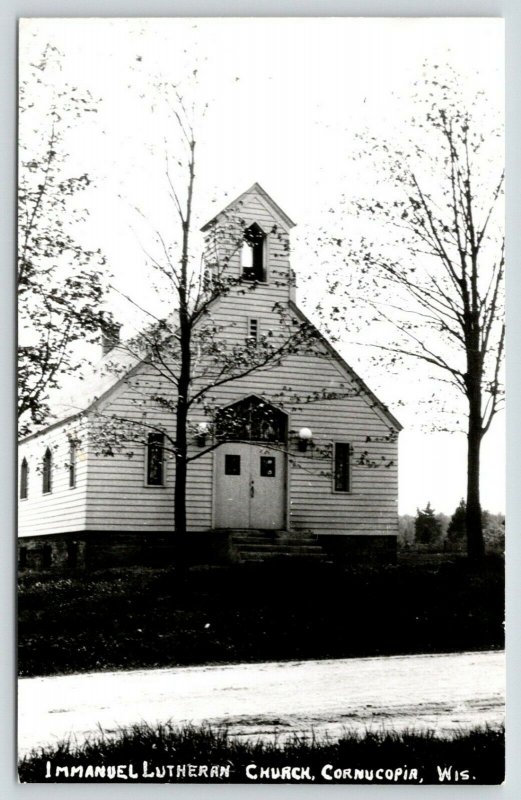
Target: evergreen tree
(457, 530)
(427, 528)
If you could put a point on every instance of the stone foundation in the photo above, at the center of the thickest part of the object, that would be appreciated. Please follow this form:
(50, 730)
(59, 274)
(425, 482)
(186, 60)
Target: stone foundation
(102, 549)
(360, 549)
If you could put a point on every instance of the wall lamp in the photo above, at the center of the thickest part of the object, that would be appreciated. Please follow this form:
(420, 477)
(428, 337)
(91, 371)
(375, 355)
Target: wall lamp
(305, 439)
(203, 429)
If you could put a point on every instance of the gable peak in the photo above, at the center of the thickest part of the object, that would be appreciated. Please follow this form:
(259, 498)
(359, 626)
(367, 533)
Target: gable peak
(257, 189)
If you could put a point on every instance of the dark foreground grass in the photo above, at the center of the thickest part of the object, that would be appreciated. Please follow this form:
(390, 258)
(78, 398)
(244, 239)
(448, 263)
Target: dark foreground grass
(164, 754)
(129, 618)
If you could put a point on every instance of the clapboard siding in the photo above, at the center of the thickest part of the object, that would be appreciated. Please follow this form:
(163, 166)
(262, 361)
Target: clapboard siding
(119, 500)
(111, 494)
(63, 509)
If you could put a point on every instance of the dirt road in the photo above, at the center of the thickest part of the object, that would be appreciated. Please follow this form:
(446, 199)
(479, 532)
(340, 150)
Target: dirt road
(440, 692)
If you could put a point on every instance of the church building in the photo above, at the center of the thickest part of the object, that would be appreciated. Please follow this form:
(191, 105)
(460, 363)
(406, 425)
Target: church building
(297, 458)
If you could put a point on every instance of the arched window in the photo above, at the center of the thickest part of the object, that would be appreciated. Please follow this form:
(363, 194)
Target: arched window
(47, 472)
(251, 420)
(72, 464)
(252, 254)
(24, 479)
(155, 459)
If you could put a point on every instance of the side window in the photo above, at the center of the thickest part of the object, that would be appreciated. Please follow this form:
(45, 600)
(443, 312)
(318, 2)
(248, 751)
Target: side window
(252, 254)
(47, 472)
(155, 459)
(24, 479)
(342, 467)
(72, 464)
(253, 330)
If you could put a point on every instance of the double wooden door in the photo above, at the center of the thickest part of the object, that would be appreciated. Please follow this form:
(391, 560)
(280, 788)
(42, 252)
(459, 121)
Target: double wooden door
(250, 486)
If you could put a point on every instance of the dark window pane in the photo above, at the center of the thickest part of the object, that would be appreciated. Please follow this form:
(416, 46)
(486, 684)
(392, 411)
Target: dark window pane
(250, 420)
(155, 459)
(46, 472)
(267, 466)
(232, 465)
(72, 465)
(342, 452)
(252, 254)
(23, 480)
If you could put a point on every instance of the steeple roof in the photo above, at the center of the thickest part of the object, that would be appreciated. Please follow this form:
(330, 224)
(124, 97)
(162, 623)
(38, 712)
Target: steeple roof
(257, 189)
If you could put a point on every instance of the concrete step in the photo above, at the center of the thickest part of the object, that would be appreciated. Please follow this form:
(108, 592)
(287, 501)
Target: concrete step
(256, 557)
(280, 548)
(239, 541)
(292, 534)
(257, 545)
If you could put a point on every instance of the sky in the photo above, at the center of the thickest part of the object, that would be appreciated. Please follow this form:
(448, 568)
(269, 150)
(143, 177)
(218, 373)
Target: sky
(286, 99)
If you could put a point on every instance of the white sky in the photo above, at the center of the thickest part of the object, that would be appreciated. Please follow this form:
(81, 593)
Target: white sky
(286, 98)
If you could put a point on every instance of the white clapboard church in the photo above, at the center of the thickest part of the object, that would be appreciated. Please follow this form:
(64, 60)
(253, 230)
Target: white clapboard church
(320, 478)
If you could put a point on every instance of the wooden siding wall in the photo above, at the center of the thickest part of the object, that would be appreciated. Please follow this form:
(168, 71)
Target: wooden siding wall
(119, 500)
(371, 505)
(116, 497)
(280, 278)
(63, 509)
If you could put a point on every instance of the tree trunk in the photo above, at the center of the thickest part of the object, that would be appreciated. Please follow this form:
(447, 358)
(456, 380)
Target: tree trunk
(180, 475)
(183, 388)
(180, 543)
(185, 373)
(475, 543)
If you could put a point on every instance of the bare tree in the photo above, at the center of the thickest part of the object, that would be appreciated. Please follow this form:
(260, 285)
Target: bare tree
(60, 286)
(430, 265)
(187, 353)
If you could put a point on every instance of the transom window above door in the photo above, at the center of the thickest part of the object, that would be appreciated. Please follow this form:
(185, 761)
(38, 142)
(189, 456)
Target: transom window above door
(251, 420)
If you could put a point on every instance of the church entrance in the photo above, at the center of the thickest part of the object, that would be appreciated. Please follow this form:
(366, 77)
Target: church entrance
(250, 466)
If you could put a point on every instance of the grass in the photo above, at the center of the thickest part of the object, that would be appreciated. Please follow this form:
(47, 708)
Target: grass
(475, 757)
(129, 618)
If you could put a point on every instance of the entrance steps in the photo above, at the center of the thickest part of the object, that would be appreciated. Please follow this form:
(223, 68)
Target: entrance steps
(262, 545)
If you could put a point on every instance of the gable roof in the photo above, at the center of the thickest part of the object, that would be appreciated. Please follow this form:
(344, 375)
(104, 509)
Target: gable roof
(113, 370)
(94, 386)
(350, 371)
(257, 189)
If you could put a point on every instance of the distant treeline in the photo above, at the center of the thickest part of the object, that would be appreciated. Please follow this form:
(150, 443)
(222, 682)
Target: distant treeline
(435, 531)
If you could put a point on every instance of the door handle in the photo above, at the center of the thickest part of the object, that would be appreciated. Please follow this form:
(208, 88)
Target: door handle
(252, 488)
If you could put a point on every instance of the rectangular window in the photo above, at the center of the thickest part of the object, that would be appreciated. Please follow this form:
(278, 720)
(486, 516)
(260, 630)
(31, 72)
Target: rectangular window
(47, 472)
(24, 475)
(72, 465)
(342, 457)
(232, 465)
(155, 459)
(267, 467)
(253, 329)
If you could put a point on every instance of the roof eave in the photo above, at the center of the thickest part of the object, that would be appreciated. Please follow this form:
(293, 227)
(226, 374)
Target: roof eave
(256, 187)
(378, 403)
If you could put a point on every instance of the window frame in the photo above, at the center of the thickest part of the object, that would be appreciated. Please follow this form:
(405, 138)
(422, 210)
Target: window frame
(263, 243)
(47, 471)
(349, 489)
(230, 466)
(73, 461)
(253, 337)
(23, 492)
(147, 483)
